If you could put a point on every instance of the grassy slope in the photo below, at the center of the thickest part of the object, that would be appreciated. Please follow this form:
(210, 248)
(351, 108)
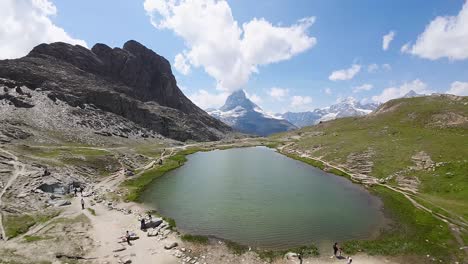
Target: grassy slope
(395, 136)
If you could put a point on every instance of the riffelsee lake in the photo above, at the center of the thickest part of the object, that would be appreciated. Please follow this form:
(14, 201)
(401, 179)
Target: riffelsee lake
(258, 197)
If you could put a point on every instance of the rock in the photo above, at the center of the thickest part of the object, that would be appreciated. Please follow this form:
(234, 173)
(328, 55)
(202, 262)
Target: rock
(125, 260)
(290, 255)
(58, 203)
(122, 92)
(119, 248)
(171, 246)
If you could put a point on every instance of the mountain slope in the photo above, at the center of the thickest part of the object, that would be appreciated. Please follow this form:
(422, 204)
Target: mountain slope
(247, 117)
(345, 108)
(131, 85)
(418, 144)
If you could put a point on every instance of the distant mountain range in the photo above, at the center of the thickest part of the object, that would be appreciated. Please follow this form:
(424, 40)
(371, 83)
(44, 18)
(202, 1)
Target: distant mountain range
(245, 116)
(344, 108)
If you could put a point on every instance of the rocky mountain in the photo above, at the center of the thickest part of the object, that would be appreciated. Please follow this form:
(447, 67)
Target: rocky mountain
(247, 117)
(124, 92)
(344, 108)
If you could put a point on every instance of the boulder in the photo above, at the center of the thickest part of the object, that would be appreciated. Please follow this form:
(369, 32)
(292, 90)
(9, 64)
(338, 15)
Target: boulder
(171, 246)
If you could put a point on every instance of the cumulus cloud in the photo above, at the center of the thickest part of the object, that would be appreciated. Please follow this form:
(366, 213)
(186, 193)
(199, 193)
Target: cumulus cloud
(227, 51)
(328, 91)
(278, 93)
(27, 23)
(300, 103)
(444, 37)
(396, 92)
(386, 39)
(204, 99)
(345, 74)
(364, 87)
(180, 63)
(459, 88)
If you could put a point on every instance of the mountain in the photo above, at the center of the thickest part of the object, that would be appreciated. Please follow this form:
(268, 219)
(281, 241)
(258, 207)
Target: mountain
(126, 92)
(345, 108)
(411, 94)
(247, 117)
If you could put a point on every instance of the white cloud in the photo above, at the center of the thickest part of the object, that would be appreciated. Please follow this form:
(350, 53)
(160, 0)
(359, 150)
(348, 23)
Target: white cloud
(328, 91)
(396, 92)
(299, 103)
(228, 52)
(406, 48)
(253, 97)
(374, 67)
(205, 99)
(387, 39)
(278, 93)
(445, 36)
(26, 24)
(345, 74)
(180, 63)
(459, 88)
(364, 87)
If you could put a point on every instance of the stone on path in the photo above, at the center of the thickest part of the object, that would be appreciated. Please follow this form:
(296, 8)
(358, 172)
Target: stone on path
(170, 246)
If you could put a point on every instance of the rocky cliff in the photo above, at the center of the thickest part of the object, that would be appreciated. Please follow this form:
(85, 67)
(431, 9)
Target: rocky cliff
(103, 89)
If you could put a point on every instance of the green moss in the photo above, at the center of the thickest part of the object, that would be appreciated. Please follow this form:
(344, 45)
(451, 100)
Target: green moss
(195, 239)
(30, 239)
(16, 225)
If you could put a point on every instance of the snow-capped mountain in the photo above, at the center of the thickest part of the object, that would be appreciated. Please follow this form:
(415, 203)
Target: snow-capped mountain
(344, 108)
(247, 117)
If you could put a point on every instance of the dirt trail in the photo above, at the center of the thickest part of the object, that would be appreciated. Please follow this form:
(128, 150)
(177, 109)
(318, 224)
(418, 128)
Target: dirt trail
(18, 169)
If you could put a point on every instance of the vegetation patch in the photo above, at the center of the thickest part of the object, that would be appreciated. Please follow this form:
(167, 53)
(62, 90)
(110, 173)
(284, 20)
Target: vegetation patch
(305, 251)
(236, 248)
(137, 185)
(16, 225)
(92, 211)
(30, 239)
(171, 222)
(195, 239)
(413, 232)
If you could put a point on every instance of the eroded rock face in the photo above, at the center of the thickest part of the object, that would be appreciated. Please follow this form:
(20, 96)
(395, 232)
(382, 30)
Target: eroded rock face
(132, 82)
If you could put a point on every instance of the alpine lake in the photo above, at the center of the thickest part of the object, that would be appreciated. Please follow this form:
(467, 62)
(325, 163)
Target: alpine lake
(257, 197)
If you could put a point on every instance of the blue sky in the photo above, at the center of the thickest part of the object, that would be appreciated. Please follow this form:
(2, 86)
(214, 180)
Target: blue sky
(294, 65)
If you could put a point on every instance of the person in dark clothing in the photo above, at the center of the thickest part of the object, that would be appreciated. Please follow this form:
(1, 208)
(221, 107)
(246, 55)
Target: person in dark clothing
(82, 204)
(299, 256)
(335, 249)
(81, 191)
(75, 190)
(127, 237)
(142, 224)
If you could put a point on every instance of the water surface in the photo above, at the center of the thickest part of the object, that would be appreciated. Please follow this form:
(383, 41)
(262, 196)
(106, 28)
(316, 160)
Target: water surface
(258, 197)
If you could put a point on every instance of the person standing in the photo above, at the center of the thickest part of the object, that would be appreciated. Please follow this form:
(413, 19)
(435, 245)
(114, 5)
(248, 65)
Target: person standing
(299, 256)
(76, 191)
(82, 203)
(335, 249)
(127, 237)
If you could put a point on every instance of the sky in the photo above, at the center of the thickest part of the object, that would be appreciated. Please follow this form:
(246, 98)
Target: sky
(287, 55)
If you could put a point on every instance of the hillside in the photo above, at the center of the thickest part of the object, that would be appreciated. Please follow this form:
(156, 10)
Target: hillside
(417, 146)
(123, 92)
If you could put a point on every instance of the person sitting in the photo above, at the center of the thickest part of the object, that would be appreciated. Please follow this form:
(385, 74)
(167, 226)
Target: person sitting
(335, 249)
(142, 224)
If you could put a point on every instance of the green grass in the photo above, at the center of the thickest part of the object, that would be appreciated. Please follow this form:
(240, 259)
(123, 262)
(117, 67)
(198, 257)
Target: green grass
(16, 225)
(305, 251)
(195, 239)
(91, 210)
(413, 231)
(137, 185)
(236, 248)
(171, 222)
(30, 239)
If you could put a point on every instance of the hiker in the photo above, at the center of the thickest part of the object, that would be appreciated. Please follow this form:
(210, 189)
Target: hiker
(81, 191)
(299, 256)
(127, 237)
(82, 203)
(335, 249)
(75, 190)
(142, 224)
(150, 218)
